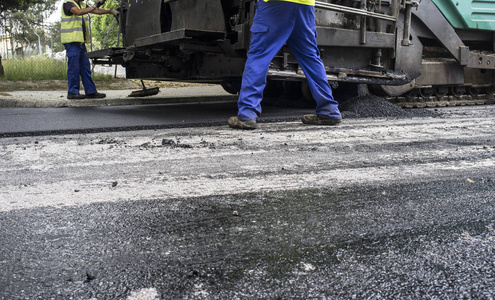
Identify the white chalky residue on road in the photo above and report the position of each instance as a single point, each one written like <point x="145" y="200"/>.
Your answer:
<point x="144" y="294"/>
<point x="75" y="170"/>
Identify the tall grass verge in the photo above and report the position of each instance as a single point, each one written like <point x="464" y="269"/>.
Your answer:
<point x="39" y="68"/>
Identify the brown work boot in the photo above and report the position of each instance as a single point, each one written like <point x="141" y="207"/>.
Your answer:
<point x="315" y="119"/>
<point x="234" y="122"/>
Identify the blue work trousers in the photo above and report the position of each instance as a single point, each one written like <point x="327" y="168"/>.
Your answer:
<point x="277" y="23"/>
<point x="78" y="66"/>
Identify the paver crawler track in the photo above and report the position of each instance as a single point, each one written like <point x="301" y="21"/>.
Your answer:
<point x="434" y="101"/>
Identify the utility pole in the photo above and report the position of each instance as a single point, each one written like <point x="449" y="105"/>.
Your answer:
<point x="40" y="51"/>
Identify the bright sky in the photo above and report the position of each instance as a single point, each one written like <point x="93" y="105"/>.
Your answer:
<point x="56" y="15"/>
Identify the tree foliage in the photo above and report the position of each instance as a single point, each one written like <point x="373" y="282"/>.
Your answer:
<point x="35" y="10"/>
<point x="17" y="5"/>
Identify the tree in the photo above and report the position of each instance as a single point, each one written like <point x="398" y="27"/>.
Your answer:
<point x="23" y="20"/>
<point x="2" y="73"/>
<point x="8" y="7"/>
<point x="101" y="25"/>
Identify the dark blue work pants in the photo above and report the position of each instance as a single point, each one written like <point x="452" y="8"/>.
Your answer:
<point x="78" y="66"/>
<point x="276" y="23"/>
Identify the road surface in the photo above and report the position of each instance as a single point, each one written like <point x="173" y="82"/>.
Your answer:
<point x="373" y="208"/>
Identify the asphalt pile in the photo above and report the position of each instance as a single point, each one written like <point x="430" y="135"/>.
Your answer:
<point x="370" y="106"/>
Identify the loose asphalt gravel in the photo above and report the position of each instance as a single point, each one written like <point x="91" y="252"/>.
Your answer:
<point x="378" y="207"/>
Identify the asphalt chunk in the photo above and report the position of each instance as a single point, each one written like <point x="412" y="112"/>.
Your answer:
<point x="371" y="106"/>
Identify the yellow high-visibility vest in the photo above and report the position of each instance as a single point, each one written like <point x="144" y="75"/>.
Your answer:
<point x="72" y="26"/>
<point x="305" y="2"/>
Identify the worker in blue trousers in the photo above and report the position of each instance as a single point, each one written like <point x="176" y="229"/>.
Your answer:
<point x="279" y="22"/>
<point x="74" y="35"/>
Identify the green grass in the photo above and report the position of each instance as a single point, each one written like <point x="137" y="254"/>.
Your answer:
<point x="39" y="68"/>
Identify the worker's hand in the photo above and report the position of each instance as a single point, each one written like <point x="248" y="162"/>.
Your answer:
<point x="99" y="3"/>
<point x="115" y="13"/>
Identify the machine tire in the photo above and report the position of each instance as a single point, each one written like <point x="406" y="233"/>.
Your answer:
<point x="306" y="92"/>
<point x="273" y="89"/>
<point x="231" y="87"/>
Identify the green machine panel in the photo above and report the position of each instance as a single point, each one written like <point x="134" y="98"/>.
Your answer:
<point x="468" y="14"/>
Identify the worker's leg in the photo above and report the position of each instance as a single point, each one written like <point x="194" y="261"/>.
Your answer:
<point x="302" y="43"/>
<point x="85" y="72"/>
<point x="272" y="25"/>
<point x="73" y="52"/>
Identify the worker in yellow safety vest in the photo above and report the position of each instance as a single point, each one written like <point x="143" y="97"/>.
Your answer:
<point x="74" y="35"/>
<point x="279" y="22"/>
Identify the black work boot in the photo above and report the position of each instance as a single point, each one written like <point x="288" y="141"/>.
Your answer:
<point x="96" y="95"/>
<point x="75" y="96"/>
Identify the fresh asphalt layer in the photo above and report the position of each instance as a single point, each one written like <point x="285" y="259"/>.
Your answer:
<point x="49" y="112"/>
<point x="427" y="239"/>
<point x="44" y="121"/>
